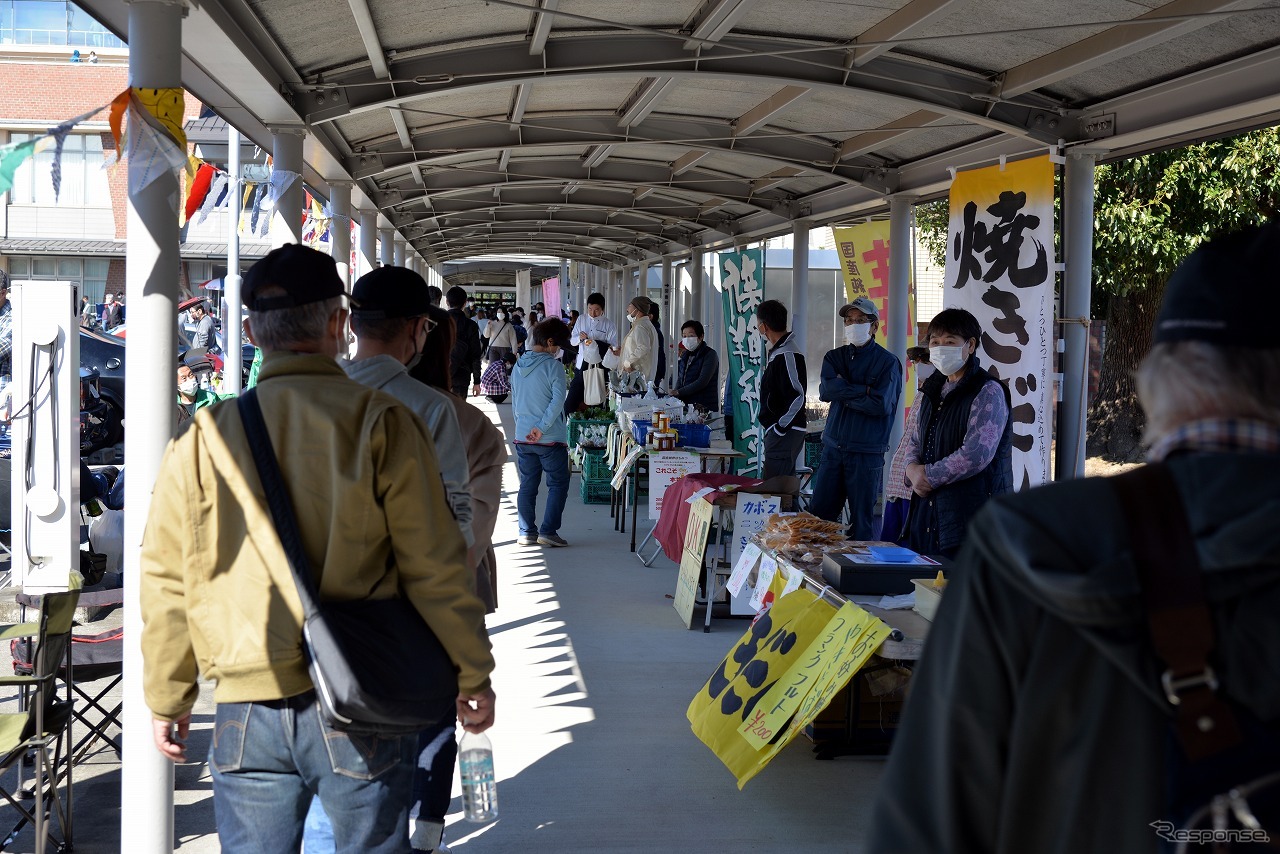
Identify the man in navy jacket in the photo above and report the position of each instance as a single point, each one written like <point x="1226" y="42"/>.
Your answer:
<point x="863" y="383"/>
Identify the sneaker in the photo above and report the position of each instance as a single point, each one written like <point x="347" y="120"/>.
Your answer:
<point x="552" y="540"/>
<point x="527" y="540"/>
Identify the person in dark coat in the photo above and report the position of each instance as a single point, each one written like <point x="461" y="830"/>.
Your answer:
<point x="660" y="381"/>
<point x="467" y="348"/>
<point x="698" y="373"/>
<point x="962" y="453"/>
<point x="1037" y="720"/>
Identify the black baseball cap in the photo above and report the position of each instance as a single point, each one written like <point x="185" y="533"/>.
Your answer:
<point x="391" y="292"/>
<point x="306" y="276"/>
<point x="1219" y="293"/>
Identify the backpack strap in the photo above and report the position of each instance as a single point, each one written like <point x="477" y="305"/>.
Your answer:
<point x="1178" y="617"/>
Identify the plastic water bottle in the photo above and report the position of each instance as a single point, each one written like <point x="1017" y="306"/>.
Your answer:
<point x="479" y="785"/>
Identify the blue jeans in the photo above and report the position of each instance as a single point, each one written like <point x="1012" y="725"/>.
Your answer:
<point x="853" y="477"/>
<point x="531" y="462"/>
<point x="269" y="758"/>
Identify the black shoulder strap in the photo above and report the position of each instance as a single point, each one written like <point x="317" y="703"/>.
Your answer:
<point x="282" y="513"/>
<point x="1178" y="617"/>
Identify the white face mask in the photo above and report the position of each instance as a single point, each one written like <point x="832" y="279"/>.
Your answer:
<point x="857" y="334"/>
<point x="632" y="318"/>
<point x="924" y="370"/>
<point x="502" y="315"/>
<point x="948" y="359"/>
<point x="690" y="343"/>
<point x="188" y="386"/>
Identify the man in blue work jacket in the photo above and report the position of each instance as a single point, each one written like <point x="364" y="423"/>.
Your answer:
<point x="863" y="383"/>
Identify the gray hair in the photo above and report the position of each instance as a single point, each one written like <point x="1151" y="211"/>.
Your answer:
<point x="283" y="328"/>
<point x="1187" y="381"/>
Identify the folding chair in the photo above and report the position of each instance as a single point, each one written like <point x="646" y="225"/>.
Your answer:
<point x="42" y="722"/>
<point x="93" y="658"/>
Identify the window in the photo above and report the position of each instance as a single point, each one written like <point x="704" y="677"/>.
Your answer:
<point x="84" y="180"/>
<point x="20" y="268"/>
<point x="94" y="284"/>
<point x="51" y="22"/>
<point x="43" y="268"/>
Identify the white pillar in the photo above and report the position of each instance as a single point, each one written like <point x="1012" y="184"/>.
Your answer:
<point x="895" y="320"/>
<point x="800" y="282"/>
<point x="697" y="297"/>
<point x="368" y="258"/>
<point x="398" y="253"/>
<point x="151" y="261"/>
<point x="286" y="214"/>
<point x="386" y="253"/>
<point x="1078" y="245"/>
<point x="232" y="312"/>
<point x="668" y="310"/>
<point x="340" y="227"/>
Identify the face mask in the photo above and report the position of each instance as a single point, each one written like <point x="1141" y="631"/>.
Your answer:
<point x="502" y="315"/>
<point x="857" y="334"/>
<point x="632" y="318"/>
<point x="924" y="370"/>
<point x="947" y="359"/>
<point x="188" y="387"/>
<point x="690" y="343"/>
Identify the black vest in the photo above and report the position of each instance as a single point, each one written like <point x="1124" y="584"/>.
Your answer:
<point x="940" y="521"/>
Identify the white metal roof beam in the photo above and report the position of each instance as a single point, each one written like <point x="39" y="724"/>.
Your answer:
<point x="685" y="162"/>
<point x="908" y="19"/>
<point x="519" y="101"/>
<point x="542" y="26"/>
<point x="873" y="139"/>
<point x="596" y="155"/>
<point x="504" y="160"/>
<point x="1109" y="46"/>
<point x="643" y="100"/>
<point x="761" y="114"/>
<point x="776" y="179"/>
<point x="369" y="35"/>
<point x="714" y="19"/>
<point x="402" y="129"/>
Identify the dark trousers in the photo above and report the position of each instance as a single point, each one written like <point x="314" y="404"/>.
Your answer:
<point x="577" y="391"/>
<point x="853" y="477"/>
<point x="780" y="452"/>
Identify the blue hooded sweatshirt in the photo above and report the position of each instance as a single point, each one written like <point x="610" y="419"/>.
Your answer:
<point x="538" y="390"/>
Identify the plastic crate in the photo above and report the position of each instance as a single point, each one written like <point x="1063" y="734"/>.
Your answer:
<point x="693" y="435"/>
<point x="595" y="491"/>
<point x="594" y="467"/>
<point x="640" y="430"/>
<point x="813" y="451"/>
<point x="576" y="427"/>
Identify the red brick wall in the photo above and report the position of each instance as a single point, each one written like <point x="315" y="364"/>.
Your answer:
<point x="115" y="276"/>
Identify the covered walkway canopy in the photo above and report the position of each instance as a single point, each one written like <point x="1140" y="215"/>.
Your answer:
<point x="620" y="134"/>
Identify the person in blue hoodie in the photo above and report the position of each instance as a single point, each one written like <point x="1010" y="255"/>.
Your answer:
<point x="538" y="390"/>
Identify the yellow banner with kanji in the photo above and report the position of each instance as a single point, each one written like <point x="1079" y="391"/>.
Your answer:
<point x="864" y="261"/>
<point x="799" y="652"/>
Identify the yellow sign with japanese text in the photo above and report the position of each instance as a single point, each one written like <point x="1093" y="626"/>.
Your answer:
<point x="800" y="647"/>
<point x="692" y="559"/>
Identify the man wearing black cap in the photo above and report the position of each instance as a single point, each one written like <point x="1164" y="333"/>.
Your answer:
<point x="1103" y="663"/>
<point x="219" y="600"/>
<point x="863" y="383"/>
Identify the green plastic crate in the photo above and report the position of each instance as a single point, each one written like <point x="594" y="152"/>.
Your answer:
<point x="595" y="491"/>
<point x="594" y="467"/>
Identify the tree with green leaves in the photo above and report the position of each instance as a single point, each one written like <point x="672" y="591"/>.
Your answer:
<point x="1150" y="212"/>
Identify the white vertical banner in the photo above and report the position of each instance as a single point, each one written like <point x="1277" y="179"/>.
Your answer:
<point x="1000" y="262"/>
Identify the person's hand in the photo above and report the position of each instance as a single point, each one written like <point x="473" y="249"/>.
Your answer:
<point x="173" y="745"/>
<point x="617" y="351"/>
<point x="475" y="390"/>
<point x="918" y="480"/>
<point x="535" y="435"/>
<point x="475" y="711"/>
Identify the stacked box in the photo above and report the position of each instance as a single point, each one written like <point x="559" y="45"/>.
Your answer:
<point x="576" y="426"/>
<point x="595" y="491"/>
<point x="595" y="488"/>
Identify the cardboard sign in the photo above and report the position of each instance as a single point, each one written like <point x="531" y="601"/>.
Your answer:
<point x="665" y="468"/>
<point x="749" y="519"/>
<point x="691" y="560"/>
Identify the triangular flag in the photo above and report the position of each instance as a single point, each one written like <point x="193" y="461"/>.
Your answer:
<point x="200" y="186"/>
<point x="214" y="197"/>
<point x="118" y="107"/>
<point x="13" y="156"/>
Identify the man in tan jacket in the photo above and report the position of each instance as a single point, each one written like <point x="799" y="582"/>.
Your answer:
<point x="218" y="599"/>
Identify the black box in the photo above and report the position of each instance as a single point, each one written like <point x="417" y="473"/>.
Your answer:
<point x="847" y="576"/>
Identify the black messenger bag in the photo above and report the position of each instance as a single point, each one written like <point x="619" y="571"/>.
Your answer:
<point x="376" y="664"/>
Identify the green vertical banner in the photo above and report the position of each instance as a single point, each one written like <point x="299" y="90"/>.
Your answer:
<point x="742" y="290"/>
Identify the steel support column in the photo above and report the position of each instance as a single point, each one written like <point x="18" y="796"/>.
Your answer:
<point x="232" y="312"/>
<point x="286" y="213"/>
<point x="895" y="321"/>
<point x="1077" y="242"/>
<point x="368" y="258"/>
<point x="800" y="281"/>
<point x="668" y="312"/>
<point x="386" y="239"/>
<point x="397" y="252"/>
<point x="340" y="227"/>
<point x="152" y="258"/>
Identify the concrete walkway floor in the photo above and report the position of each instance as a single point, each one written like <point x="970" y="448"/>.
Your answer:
<point x="592" y="747"/>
